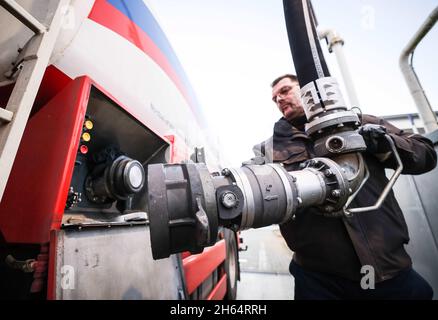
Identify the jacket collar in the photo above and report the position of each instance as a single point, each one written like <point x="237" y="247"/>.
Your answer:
<point x="283" y="129"/>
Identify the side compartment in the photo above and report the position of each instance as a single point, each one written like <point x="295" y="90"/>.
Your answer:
<point x="74" y="214"/>
<point x="113" y="263"/>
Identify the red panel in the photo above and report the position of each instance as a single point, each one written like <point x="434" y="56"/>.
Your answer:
<point x="53" y="82"/>
<point x="51" y="289"/>
<point x="199" y="266"/>
<point x="219" y="291"/>
<point x="36" y="193"/>
<point x="185" y="254"/>
<point x="171" y="140"/>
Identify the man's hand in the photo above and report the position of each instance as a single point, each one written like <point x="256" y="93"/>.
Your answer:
<point x="374" y="136"/>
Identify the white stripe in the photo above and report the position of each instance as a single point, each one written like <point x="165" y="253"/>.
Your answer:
<point x="312" y="43"/>
<point x="135" y="80"/>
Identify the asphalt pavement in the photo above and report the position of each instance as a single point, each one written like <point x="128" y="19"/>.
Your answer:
<point x="265" y="266"/>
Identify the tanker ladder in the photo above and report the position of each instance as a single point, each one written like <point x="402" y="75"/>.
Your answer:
<point x="27" y="73"/>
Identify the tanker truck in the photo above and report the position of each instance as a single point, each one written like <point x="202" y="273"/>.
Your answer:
<point x="112" y="187"/>
<point x="91" y="93"/>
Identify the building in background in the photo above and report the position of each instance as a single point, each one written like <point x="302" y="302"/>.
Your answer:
<point x="416" y="195"/>
<point x="409" y="122"/>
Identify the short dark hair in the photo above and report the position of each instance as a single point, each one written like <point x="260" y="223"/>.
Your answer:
<point x="290" y="76"/>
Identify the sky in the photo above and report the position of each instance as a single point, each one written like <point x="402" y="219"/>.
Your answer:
<point x="231" y="50"/>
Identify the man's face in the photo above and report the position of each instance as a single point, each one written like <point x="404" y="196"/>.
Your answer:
<point x="286" y="95"/>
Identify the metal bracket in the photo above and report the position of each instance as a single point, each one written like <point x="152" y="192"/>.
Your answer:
<point x="202" y="226"/>
<point x="27" y="53"/>
<point x="6" y="115"/>
<point x="27" y="266"/>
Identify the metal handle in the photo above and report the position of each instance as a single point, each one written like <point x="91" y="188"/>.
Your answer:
<point x="388" y="187"/>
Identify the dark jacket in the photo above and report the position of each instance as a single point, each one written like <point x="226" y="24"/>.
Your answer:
<point x="341" y="246"/>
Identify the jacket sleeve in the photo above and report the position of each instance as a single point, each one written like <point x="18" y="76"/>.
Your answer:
<point x="264" y="150"/>
<point x="416" y="152"/>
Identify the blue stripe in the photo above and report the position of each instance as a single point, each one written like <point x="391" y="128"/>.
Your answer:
<point x="138" y="12"/>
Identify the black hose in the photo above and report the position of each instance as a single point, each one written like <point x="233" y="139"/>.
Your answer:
<point x="306" y="51"/>
<point x="312" y="12"/>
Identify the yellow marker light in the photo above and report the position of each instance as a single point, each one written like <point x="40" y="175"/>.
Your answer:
<point x="88" y="124"/>
<point x="86" y="136"/>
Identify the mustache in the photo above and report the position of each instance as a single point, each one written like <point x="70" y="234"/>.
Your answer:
<point x="285" y="105"/>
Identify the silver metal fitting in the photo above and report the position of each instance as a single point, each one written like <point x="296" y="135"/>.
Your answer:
<point x="229" y="199"/>
<point x="321" y="96"/>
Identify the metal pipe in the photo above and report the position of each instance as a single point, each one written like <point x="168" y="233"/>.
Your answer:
<point x="310" y="187"/>
<point x="335" y="44"/>
<point x="417" y="92"/>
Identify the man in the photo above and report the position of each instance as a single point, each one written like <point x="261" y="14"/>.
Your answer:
<point x="329" y="253"/>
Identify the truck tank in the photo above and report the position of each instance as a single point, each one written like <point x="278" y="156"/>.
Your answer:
<point x="120" y="45"/>
<point x="113" y="88"/>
